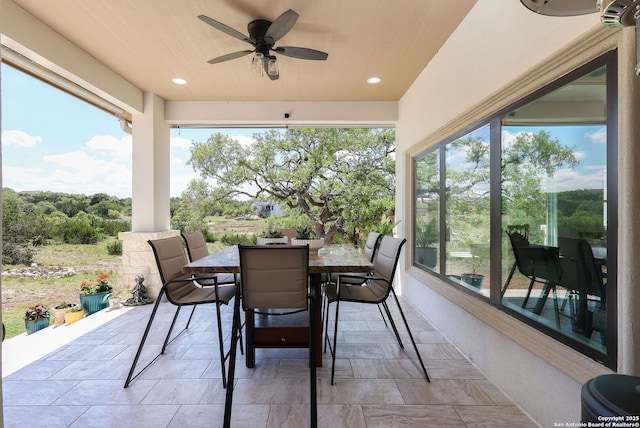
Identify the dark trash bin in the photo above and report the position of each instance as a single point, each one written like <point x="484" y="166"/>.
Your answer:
<point x="611" y="395"/>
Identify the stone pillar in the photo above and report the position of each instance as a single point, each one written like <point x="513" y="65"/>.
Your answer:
<point x="138" y="259"/>
<point x="150" y="195"/>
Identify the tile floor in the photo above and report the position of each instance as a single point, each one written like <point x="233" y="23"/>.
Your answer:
<point x="377" y="385"/>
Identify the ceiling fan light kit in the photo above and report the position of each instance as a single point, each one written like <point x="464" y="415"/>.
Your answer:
<point x="263" y="35"/>
<point x="613" y="13"/>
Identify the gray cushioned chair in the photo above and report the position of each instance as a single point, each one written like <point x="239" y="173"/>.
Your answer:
<point x="375" y="290"/>
<point x="274" y="281"/>
<point x="182" y="290"/>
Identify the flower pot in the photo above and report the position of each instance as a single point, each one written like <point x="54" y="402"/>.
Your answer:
<point x="314" y="244"/>
<point x="427" y="256"/>
<point x="472" y="279"/>
<point x="115" y="302"/>
<point x="33" y="326"/>
<point x="93" y="303"/>
<point x="58" y="316"/>
<point x="273" y="241"/>
<point x="71" y="317"/>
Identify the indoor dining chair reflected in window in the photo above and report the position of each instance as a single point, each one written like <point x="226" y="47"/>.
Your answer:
<point x="375" y="290"/>
<point x="182" y="290"/>
<point x="538" y="263"/>
<point x="274" y="281"/>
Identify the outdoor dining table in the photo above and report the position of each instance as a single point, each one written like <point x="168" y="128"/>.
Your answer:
<point x="329" y="259"/>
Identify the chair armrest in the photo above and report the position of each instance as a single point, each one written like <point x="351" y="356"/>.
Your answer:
<point x="194" y="279"/>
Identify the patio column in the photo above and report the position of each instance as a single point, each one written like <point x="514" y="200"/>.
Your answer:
<point x="150" y="195"/>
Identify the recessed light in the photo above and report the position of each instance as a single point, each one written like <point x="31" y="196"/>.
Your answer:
<point x="373" y="80"/>
<point x="179" y="81"/>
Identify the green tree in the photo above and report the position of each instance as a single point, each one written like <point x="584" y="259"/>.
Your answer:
<point x="336" y="178"/>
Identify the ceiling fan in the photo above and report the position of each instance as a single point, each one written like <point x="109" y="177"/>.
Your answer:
<point x="263" y="34"/>
<point x="613" y="13"/>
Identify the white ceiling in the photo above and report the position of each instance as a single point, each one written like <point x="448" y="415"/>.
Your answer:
<point x="148" y="42"/>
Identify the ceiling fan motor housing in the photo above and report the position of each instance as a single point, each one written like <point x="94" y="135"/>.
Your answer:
<point x="257" y="30"/>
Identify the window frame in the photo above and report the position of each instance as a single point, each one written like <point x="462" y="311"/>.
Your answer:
<point x="608" y="59"/>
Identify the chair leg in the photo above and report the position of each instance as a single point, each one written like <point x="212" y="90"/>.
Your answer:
<point x="555" y="306"/>
<point x="235" y="330"/>
<point x="335" y="344"/>
<point x="326" y="326"/>
<point x="506" y="284"/>
<point x="313" y="393"/>
<point x="413" y="342"/>
<point x="526" y="299"/>
<point x="221" y="346"/>
<point x="383" y="319"/>
<point x="130" y="377"/>
<point x="173" y="323"/>
<point x="393" y="324"/>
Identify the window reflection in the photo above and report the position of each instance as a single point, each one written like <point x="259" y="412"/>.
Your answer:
<point x="554" y="158"/>
<point x="550" y="223"/>
<point x="467" y="209"/>
<point x="427" y="226"/>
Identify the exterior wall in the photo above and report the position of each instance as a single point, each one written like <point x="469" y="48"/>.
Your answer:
<point x="470" y="78"/>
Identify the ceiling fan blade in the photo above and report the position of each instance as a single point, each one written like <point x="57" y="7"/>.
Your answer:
<point x="561" y="7"/>
<point x="226" y="29"/>
<point x="301" y="53"/>
<point x="281" y="26"/>
<point x="230" y="56"/>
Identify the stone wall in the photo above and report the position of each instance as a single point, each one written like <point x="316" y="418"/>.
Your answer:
<point x="138" y="259"/>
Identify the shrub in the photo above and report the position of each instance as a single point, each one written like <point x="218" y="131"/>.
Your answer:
<point x="208" y="235"/>
<point x="114" y="248"/>
<point x="78" y="232"/>
<point x="237" y="239"/>
<point x="16" y="254"/>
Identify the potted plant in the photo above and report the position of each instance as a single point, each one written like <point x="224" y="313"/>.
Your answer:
<point x="478" y="257"/>
<point x="73" y="314"/>
<point x="115" y="300"/>
<point x="426" y="235"/>
<point x="92" y="296"/>
<point x="36" y="318"/>
<point x="58" y="312"/>
<point x="305" y="236"/>
<point x="272" y="237"/>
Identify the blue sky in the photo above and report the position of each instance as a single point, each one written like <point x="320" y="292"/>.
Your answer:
<point x="54" y="141"/>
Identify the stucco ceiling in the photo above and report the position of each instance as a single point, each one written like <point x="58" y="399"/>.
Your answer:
<point x="148" y="42"/>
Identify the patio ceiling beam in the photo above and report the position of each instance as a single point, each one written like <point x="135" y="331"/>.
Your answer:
<point x="281" y="114"/>
<point x="31" y="38"/>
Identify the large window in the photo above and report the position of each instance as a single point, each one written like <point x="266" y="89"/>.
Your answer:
<point x="550" y="170"/>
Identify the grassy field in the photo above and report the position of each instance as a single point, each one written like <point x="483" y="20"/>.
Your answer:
<point x="87" y="261"/>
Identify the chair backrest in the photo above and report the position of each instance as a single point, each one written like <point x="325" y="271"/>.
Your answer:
<point x="384" y="265"/>
<point x="274" y="277"/>
<point x="572" y="267"/>
<point x="371" y="245"/>
<point x="170" y="257"/>
<point x="196" y="245"/>
<point x="593" y="272"/>
<point x="535" y="261"/>
<point x="289" y="233"/>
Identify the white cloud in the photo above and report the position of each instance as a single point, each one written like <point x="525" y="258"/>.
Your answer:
<point x="108" y="145"/>
<point x="20" y="139"/>
<point x="569" y="179"/>
<point x="597" y="137"/>
<point x="180" y="143"/>
<point x="243" y="140"/>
